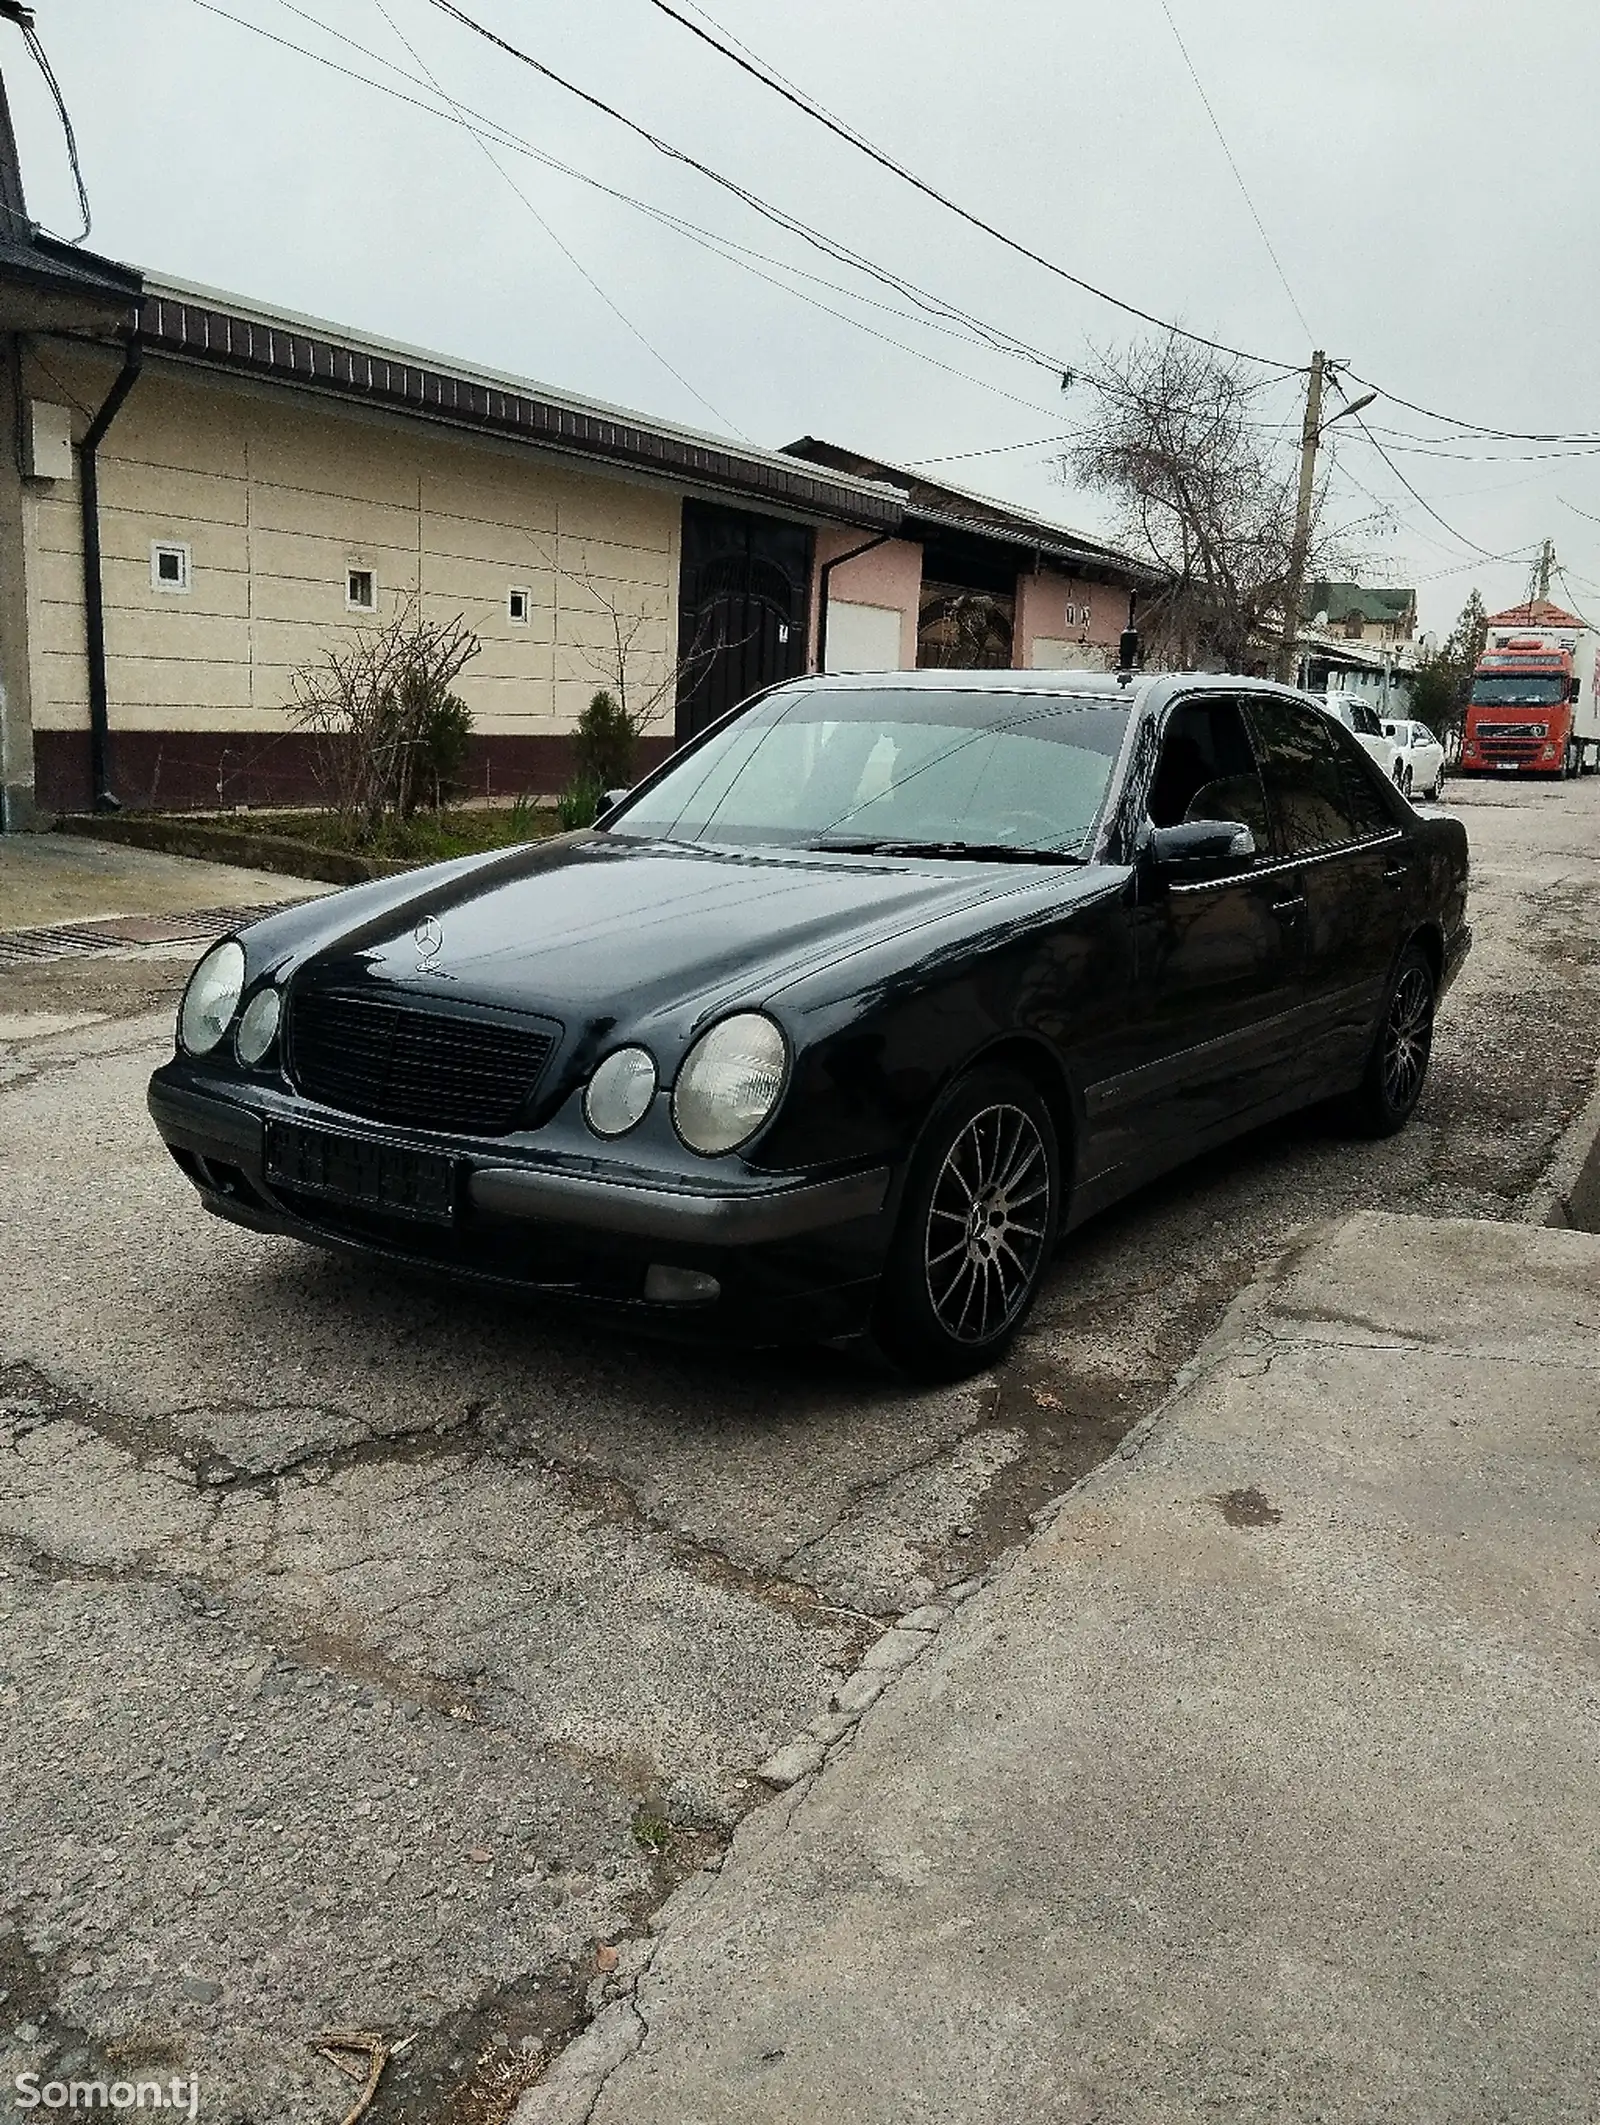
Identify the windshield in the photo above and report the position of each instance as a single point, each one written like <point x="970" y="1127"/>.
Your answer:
<point x="1519" y="689"/>
<point x="983" y="770"/>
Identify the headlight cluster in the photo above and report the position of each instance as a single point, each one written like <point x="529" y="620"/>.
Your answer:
<point x="729" y="1083"/>
<point x="211" y="1000"/>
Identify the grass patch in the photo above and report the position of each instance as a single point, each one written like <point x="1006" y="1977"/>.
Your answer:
<point x="651" y="1831"/>
<point x="426" y="837"/>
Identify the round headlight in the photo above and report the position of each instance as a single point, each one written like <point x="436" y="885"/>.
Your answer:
<point x="730" y="1082"/>
<point x="258" y="1028"/>
<point x="211" y="998"/>
<point x="620" y="1091"/>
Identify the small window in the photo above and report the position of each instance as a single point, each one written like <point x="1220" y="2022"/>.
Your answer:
<point x="360" y="590"/>
<point x="169" y="565"/>
<point x="519" y="603"/>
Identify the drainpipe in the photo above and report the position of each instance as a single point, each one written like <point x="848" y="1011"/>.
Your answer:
<point x="825" y="578"/>
<point x="93" y="601"/>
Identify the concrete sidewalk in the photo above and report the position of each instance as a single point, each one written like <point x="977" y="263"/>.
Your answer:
<point x="1265" y="1786"/>
<point x="71" y="878"/>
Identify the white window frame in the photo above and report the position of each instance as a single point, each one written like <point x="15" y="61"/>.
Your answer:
<point x="519" y="590"/>
<point x="168" y="588"/>
<point x="352" y="570"/>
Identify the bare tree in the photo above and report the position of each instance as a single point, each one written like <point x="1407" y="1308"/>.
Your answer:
<point x="1202" y="491"/>
<point x="381" y="709"/>
<point x="643" y="681"/>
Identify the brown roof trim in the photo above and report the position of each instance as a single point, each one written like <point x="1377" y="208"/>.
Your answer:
<point x="931" y="503"/>
<point x="216" y="338"/>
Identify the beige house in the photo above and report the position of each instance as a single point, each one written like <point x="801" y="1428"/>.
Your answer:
<point x="206" y="494"/>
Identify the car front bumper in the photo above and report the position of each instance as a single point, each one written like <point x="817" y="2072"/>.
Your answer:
<point x="790" y="1259"/>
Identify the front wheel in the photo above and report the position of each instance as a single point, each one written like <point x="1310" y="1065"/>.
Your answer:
<point x="1398" y="1065"/>
<point x="1405" y="783"/>
<point x="979" y="1215"/>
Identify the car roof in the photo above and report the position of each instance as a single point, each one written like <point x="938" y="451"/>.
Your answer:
<point x="1000" y="680"/>
<point x="1106" y="686"/>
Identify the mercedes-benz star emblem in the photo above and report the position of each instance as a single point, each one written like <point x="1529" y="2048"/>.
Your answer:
<point x="428" y="938"/>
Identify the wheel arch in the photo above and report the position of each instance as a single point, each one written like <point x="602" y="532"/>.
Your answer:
<point x="1036" y="1060"/>
<point x="1429" y="940"/>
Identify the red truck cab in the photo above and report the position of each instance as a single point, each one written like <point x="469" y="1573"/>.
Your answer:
<point x="1532" y="710"/>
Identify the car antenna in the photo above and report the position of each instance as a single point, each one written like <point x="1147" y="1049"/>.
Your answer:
<point x="1128" y="649"/>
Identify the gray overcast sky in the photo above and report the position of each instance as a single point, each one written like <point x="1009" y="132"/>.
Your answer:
<point x="1426" y="170"/>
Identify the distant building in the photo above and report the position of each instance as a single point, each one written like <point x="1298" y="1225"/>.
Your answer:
<point x="966" y="582"/>
<point x="1359" y="614"/>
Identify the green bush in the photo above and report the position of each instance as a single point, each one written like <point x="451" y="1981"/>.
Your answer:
<point x="439" y="751"/>
<point x="604" y="744"/>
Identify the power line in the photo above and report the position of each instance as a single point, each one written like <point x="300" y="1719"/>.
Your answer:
<point x="724" y="247"/>
<point x="30" y="37"/>
<point x="1238" y="174"/>
<point x="745" y="59"/>
<point x="856" y="140"/>
<point x="994" y="336"/>
<point x="1502" y="435"/>
<point x="952" y="457"/>
<point x="1460" y="537"/>
<point x="567" y="253"/>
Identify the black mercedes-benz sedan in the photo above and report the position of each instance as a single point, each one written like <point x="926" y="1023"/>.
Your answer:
<point x="842" y="1017"/>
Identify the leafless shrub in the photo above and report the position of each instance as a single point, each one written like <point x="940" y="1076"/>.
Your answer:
<point x="381" y="708"/>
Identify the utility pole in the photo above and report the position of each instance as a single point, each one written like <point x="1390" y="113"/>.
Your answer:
<point x="1312" y="430"/>
<point x="1295" y="579"/>
<point x="1547" y="562"/>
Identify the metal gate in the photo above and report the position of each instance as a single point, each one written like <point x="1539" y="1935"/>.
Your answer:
<point x="743" y="587"/>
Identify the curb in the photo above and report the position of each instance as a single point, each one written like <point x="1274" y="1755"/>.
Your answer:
<point x="239" y="846"/>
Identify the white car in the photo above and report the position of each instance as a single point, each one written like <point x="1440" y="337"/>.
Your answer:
<point x="1357" y="716"/>
<point x="1421" y="758"/>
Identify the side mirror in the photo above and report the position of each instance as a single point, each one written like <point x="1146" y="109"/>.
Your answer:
<point x="1574" y="689"/>
<point x="1202" y="848"/>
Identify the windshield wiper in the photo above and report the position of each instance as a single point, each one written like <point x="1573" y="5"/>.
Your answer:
<point x="973" y="851"/>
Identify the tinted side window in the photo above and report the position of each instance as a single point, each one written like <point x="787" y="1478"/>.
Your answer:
<point x="1207" y="770"/>
<point x="1366" y="792"/>
<point x="1301" y="760"/>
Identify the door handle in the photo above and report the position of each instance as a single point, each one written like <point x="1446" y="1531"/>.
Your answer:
<point x="1294" y="905"/>
<point x="1396" y="873"/>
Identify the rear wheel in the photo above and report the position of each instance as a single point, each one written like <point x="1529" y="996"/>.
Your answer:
<point x="1398" y="1066"/>
<point x="1573" y="763"/>
<point x="981" y="1207"/>
<point x="1405" y="782"/>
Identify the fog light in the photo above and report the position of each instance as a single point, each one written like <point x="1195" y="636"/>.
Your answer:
<point x="665" y="1286"/>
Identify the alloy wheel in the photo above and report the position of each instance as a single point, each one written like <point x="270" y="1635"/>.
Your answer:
<point x="1407" y="1039"/>
<point x="987" y="1221"/>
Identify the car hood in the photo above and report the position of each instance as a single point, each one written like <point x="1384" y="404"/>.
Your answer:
<point x="573" y="927"/>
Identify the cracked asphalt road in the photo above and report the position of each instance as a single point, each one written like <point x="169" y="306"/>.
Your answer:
<point x="373" y="1651"/>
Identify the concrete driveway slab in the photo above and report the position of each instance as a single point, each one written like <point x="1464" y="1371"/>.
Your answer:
<point x="1265" y="1786"/>
<point x="70" y="878"/>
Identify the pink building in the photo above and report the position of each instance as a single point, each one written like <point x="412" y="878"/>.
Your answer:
<point x="962" y="582"/>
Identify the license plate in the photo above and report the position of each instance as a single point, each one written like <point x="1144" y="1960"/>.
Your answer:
<point x="1507" y="767"/>
<point x="364" y="1171"/>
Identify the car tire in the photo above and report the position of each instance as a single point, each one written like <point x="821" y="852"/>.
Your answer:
<point x="1572" y="765"/>
<point x="1405" y="783"/>
<point x="1397" y="1068"/>
<point x="978" y="1219"/>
